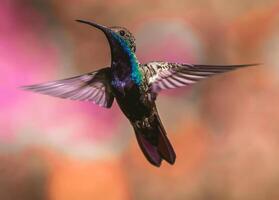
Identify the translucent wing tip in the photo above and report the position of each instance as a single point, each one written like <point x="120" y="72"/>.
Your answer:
<point x="224" y="66"/>
<point x="27" y="87"/>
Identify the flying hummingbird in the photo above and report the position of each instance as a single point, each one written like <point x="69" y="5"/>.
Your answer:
<point x="135" y="87"/>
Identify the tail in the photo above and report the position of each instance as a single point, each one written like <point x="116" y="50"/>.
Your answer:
<point x="153" y="141"/>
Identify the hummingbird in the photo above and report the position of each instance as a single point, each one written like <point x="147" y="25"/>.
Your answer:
<point x="135" y="87"/>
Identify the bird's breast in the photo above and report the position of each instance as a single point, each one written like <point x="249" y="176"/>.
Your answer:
<point x="121" y="84"/>
<point x="132" y="100"/>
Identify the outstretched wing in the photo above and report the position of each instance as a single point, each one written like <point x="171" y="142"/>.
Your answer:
<point x="164" y="75"/>
<point x="93" y="87"/>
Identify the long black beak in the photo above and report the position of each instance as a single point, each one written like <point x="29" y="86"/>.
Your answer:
<point x="116" y="50"/>
<point x="106" y="30"/>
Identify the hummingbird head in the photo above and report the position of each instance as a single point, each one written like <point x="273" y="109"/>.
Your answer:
<point x="115" y="35"/>
<point x="126" y="35"/>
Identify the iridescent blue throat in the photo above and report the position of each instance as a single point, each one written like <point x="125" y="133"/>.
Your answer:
<point x="136" y="75"/>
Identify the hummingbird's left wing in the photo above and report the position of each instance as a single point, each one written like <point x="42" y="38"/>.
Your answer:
<point x="93" y="87"/>
<point x="164" y="75"/>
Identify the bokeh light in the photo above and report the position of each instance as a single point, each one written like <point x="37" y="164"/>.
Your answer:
<point x="225" y="129"/>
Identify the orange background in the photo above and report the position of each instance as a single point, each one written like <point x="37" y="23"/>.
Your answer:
<point x="225" y="129"/>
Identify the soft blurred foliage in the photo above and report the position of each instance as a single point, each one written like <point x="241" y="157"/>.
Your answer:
<point x="225" y="129"/>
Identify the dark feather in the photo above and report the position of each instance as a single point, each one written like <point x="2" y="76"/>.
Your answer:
<point x="153" y="141"/>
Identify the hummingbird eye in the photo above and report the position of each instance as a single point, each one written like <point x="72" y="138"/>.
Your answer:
<point x="122" y="33"/>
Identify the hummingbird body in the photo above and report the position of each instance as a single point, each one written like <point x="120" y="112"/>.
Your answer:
<point x="131" y="93"/>
<point x="127" y="80"/>
<point x="135" y="87"/>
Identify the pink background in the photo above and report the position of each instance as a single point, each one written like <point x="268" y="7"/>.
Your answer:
<point x="225" y="129"/>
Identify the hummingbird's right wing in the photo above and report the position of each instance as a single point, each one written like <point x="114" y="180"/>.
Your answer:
<point x="93" y="87"/>
<point x="164" y="75"/>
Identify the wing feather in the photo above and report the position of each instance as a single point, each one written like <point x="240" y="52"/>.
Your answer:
<point x="164" y="75"/>
<point x="93" y="87"/>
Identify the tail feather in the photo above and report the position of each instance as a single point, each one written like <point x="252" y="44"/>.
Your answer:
<point x="149" y="151"/>
<point x="166" y="150"/>
<point x="154" y="142"/>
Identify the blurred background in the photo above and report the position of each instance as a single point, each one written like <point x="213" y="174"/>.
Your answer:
<point x="225" y="129"/>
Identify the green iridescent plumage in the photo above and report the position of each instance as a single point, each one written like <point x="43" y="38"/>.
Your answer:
<point x="136" y="74"/>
